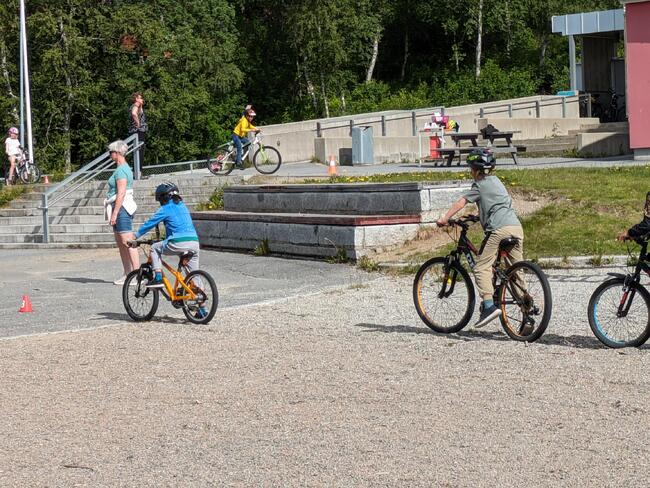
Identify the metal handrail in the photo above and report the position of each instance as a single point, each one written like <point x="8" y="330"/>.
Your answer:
<point x="412" y="114"/>
<point x="536" y="104"/>
<point x="88" y="172"/>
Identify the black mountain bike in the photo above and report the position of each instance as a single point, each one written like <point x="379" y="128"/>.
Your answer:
<point x="619" y="309"/>
<point x="444" y="294"/>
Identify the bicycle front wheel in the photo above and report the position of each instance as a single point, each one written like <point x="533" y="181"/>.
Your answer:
<point x="619" y="316"/>
<point x="139" y="301"/>
<point x="201" y="309"/>
<point x="220" y="162"/>
<point x="526" y="302"/>
<point x="30" y="174"/>
<point x="443" y="295"/>
<point x="267" y="160"/>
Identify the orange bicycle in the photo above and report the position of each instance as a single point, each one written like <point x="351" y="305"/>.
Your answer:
<point x="194" y="292"/>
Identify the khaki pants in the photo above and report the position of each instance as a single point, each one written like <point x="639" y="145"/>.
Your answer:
<point x="485" y="260"/>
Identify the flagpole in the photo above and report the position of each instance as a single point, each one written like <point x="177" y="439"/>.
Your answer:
<point x="22" y="92"/>
<point x="28" y="101"/>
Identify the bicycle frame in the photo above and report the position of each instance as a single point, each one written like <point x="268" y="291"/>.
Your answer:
<point x="246" y="148"/>
<point x="632" y="278"/>
<point x="169" y="292"/>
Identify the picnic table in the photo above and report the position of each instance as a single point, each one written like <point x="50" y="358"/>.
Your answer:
<point x="458" y="149"/>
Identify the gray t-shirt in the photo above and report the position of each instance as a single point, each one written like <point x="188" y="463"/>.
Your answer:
<point x="494" y="203"/>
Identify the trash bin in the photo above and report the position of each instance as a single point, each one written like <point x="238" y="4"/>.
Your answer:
<point x="434" y="144"/>
<point x="362" y="145"/>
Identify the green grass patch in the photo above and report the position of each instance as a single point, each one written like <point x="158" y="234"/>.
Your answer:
<point x="589" y="207"/>
<point x="215" y="202"/>
<point x="9" y="193"/>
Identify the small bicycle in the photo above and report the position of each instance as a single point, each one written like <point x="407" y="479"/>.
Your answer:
<point x="266" y="159"/>
<point x="619" y="309"/>
<point x="195" y="292"/>
<point x="444" y="294"/>
<point x="25" y="170"/>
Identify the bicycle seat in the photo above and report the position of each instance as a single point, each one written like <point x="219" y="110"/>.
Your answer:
<point x="507" y="244"/>
<point x="186" y="257"/>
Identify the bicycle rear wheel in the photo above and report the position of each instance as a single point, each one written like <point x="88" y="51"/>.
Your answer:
<point x="30" y="174"/>
<point x="620" y="316"/>
<point x="443" y="295"/>
<point x="526" y="302"/>
<point x="202" y="309"/>
<point x="267" y="160"/>
<point x="220" y="162"/>
<point x="139" y="301"/>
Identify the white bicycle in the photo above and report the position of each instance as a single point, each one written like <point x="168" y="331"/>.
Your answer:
<point x="266" y="159"/>
<point x="25" y="170"/>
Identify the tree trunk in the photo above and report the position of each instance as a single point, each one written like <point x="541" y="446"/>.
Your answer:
<point x="542" y="51"/>
<point x="7" y="79"/>
<point x="373" y="59"/>
<point x="406" y="55"/>
<point x="509" y="28"/>
<point x="310" y="89"/>
<point x="479" y="35"/>
<point x="324" y="94"/>
<point x="67" y="111"/>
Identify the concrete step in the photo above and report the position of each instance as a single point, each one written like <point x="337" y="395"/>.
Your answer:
<point x="66" y="211"/>
<point x="603" y="127"/>
<point x="58" y="238"/>
<point x="364" y="198"/>
<point x="58" y="245"/>
<point x="96" y="202"/>
<point x="314" y="235"/>
<point x="140" y="194"/>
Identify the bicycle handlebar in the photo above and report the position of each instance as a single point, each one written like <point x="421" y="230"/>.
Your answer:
<point x="462" y="221"/>
<point x="138" y="243"/>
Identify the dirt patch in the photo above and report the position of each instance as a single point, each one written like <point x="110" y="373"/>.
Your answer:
<point x="430" y="238"/>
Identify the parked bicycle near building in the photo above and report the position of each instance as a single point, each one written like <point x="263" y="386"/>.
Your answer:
<point x="444" y="294"/>
<point x="266" y="159"/>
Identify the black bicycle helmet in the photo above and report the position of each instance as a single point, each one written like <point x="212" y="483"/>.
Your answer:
<point x="165" y="191"/>
<point x="482" y="160"/>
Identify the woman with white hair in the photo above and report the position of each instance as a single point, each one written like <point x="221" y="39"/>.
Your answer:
<point x="120" y="207"/>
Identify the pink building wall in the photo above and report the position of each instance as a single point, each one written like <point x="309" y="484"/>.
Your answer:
<point x="637" y="59"/>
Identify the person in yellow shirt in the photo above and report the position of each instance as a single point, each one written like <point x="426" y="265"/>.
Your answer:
<point x="240" y="134"/>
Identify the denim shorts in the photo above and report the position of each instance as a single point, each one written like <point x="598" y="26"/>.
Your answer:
<point x="124" y="222"/>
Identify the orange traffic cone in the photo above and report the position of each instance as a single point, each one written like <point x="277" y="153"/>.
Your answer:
<point x="331" y="166"/>
<point x="27" y="305"/>
<point x="46" y="179"/>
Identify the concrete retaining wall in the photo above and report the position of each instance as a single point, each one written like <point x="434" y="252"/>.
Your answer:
<point x="295" y="140"/>
<point x="536" y="128"/>
<point x="299" y="239"/>
<point x="322" y="220"/>
<point x="603" y="143"/>
<point x="428" y="200"/>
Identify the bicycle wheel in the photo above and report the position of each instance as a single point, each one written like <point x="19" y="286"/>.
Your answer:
<point x="443" y="295"/>
<point x="526" y="302"/>
<point x="220" y="163"/>
<point x="140" y="302"/>
<point x="619" y="317"/>
<point x="202" y="309"/>
<point x="30" y="174"/>
<point x="267" y="160"/>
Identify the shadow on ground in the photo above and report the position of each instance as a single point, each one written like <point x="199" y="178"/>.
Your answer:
<point x="575" y="341"/>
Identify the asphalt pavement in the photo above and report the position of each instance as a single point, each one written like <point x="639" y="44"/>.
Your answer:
<point x="73" y="289"/>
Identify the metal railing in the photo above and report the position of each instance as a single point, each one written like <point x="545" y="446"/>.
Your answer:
<point x="90" y="171"/>
<point x="383" y="120"/>
<point x="509" y="108"/>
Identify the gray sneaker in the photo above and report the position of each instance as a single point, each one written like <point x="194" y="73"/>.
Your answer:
<point x="487" y="316"/>
<point x="120" y="281"/>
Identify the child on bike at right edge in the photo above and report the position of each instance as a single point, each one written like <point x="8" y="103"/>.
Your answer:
<point x="642" y="228"/>
<point x="12" y="148"/>
<point x="498" y="220"/>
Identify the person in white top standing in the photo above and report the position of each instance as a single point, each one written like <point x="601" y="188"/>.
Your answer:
<point x="12" y="148"/>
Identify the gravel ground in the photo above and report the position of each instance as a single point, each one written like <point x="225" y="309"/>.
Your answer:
<point x="341" y="388"/>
